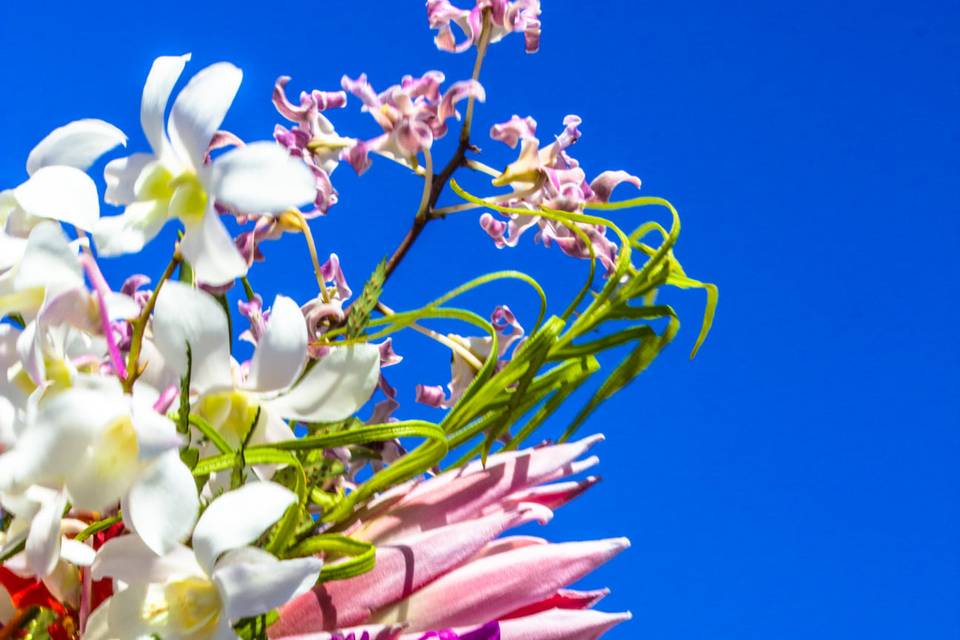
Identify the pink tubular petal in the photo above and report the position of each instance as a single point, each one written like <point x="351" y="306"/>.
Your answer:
<point x="495" y="585"/>
<point x="400" y="569"/>
<point x="562" y="599"/>
<point x="460" y="495"/>
<point x="513" y="130"/>
<point x="604" y="184"/>
<point x="561" y="624"/>
<point x="552" y="496"/>
<point x="459" y="91"/>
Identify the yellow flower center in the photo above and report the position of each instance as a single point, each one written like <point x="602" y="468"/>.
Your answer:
<point x="231" y="413"/>
<point x="193" y="607"/>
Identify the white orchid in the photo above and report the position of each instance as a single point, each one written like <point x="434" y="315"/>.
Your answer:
<point x="58" y="188"/>
<point x="199" y="593"/>
<point x="333" y="389"/>
<point x="38" y="521"/>
<point x="97" y="446"/>
<point x="176" y="181"/>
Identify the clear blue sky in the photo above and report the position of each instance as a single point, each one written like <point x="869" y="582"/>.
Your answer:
<point x="799" y="479"/>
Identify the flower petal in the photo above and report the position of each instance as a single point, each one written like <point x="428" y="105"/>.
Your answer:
<point x="48" y="261"/>
<point x="210" y="250"/>
<point x="60" y="193"/>
<point x="400" y="570"/>
<point x="281" y="353"/>
<point x="128" y="559"/>
<point x="128" y="232"/>
<point x="76" y="553"/>
<point x="121" y="177"/>
<point x="261" y="177"/>
<point x="162" y="504"/>
<point x="252" y="582"/>
<point x="337" y="385"/>
<point x="186" y="316"/>
<point x="76" y="144"/>
<point x="163" y="75"/>
<point x="43" y="541"/>
<point x="199" y="110"/>
<point x="496" y="585"/>
<point x="561" y="624"/>
<point x="237" y="518"/>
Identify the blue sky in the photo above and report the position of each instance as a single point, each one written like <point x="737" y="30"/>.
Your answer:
<point x="799" y="479"/>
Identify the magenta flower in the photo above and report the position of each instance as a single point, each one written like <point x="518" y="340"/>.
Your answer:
<point x="440" y="563"/>
<point x="551" y="178"/>
<point x="521" y="16"/>
<point x="412" y="115"/>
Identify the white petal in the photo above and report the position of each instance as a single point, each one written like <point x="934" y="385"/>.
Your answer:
<point x="120" y="306"/>
<point x="281" y="353"/>
<point x="11" y="250"/>
<point x="261" y="178"/>
<point x="162" y="504"/>
<point x="183" y="316"/>
<point x="337" y="385"/>
<point x="252" y="582"/>
<point x="156" y="433"/>
<point x="60" y="193"/>
<point x="76" y="144"/>
<point x="128" y="559"/>
<point x="210" y="250"/>
<point x="43" y="541"/>
<point x="237" y="518"/>
<point x="76" y="553"/>
<point x="121" y="177"/>
<point x="163" y="76"/>
<point x="127" y="233"/>
<point x="97" y="627"/>
<point x="64" y="428"/>
<point x="200" y="109"/>
<point x="48" y="261"/>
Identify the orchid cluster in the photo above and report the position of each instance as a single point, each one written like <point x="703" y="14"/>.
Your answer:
<point x="153" y="486"/>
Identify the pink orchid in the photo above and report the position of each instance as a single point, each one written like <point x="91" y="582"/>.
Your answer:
<point x="441" y="565"/>
<point x="462" y="372"/>
<point x="551" y="178"/>
<point x="521" y="16"/>
<point x="412" y="115"/>
<point x="313" y="138"/>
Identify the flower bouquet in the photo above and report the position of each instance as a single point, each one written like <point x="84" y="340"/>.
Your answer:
<point x="153" y="486"/>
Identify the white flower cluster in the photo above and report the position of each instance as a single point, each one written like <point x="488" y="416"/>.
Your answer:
<point x="86" y="434"/>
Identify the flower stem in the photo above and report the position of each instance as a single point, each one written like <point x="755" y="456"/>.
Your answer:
<point x="140" y="326"/>
<point x="434" y="184"/>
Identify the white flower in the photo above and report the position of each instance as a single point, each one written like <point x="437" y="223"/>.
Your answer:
<point x="58" y="188"/>
<point x="98" y="446"/>
<point x="175" y="182"/>
<point x="333" y="389"/>
<point x="199" y="593"/>
<point x="37" y="520"/>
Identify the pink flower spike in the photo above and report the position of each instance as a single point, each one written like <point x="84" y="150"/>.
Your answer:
<point x="461" y="495"/>
<point x="400" y="569"/>
<point x="494" y="586"/>
<point x="561" y="624"/>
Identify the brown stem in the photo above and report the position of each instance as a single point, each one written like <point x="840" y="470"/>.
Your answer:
<point x="436" y="183"/>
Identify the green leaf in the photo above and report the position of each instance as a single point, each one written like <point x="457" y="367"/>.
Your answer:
<point x="362" y="555"/>
<point x="360" y="310"/>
